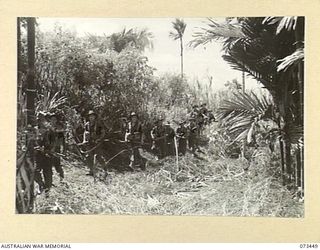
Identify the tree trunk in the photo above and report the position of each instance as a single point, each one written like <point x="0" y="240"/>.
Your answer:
<point x="281" y="151"/>
<point x="181" y="54"/>
<point x="288" y="160"/>
<point x="19" y="49"/>
<point x="298" y="158"/>
<point x="19" y="85"/>
<point x="302" y="174"/>
<point x="299" y="36"/>
<point x="282" y="161"/>
<point x="30" y="93"/>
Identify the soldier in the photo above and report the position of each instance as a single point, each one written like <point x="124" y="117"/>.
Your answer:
<point x="170" y="147"/>
<point x="135" y="137"/>
<point x="46" y="144"/>
<point x="195" y="111"/>
<point x="40" y="159"/>
<point x="203" y="113"/>
<point x="158" y="136"/>
<point x="203" y="110"/>
<point x="181" y="134"/>
<point x="123" y="126"/>
<point x="120" y="128"/>
<point x="93" y="136"/>
<point x="59" y="144"/>
<point x="211" y="117"/>
<point x="193" y="134"/>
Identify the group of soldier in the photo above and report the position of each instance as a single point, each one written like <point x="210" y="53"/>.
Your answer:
<point x="165" y="141"/>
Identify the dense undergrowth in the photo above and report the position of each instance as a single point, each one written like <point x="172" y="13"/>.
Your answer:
<point x="210" y="184"/>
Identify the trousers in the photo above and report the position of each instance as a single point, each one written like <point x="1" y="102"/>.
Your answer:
<point x="44" y="164"/>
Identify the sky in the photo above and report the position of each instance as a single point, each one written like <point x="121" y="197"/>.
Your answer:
<point x="199" y="63"/>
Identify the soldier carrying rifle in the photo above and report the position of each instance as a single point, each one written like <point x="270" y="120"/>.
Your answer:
<point x="59" y="145"/>
<point x="158" y="136"/>
<point x="93" y="138"/>
<point x="193" y="134"/>
<point x="182" y="135"/>
<point x="135" y="137"/>
<point x="46" y="152"/>
<point x="170" y="147"/>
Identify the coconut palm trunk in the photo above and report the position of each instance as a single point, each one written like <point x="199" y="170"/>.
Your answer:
<point x="30" y="90"/>
<point x="179" y="27"/>
<point x="181" y="54"/>
<point x="19" y="48"/>
<point x="281" y="144"/>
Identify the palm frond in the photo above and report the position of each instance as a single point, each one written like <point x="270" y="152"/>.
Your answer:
<point x="241" y="113"/>
<point x="295" y="133"/>
<point x="217" y="32"/>
<point x="179" y="27"/>
<point x="283" y="23"/>
<point x="291" y="60"/>
<point x="240" y="66"/>
<point x="173" y="35"/>
<point x="46" y="103"/>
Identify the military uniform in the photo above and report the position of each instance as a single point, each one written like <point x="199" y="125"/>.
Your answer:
<point x="93" y="136"/>
<point x="40" y="157"/>
<point x="158" y="135"/>
<point x="211" y="117"/>
<point x="44" y="159"/>
<point x="204" y="110"/>
<point x="193" y="135"/>
<point x="169" y="132"/>
<point x="48" y="145"/>
<point x="203" y="116"/>
<point x="135" y="137"/>
<point x="194" y="112"/>
<point x="58" y="144"/>
<point x="182" y="134"/>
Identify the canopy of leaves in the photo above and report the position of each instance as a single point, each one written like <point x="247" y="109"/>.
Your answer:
<point x="179" y="27"/>
<point x="139" y="39"/>
<point x="85" y="76"/>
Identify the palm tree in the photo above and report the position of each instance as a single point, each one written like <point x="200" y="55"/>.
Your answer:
<point x="179" y="27"/>
<point x="265" y="48"/>
<point x="139" y="39"/>
<point x="242" y="112"/>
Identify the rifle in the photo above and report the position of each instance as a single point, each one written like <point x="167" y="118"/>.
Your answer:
<point x="159" y="138"/>
<point x="48" y="153"/>
<point x="181" y="137"/>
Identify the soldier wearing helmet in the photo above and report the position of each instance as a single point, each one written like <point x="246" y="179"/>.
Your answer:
<point x="193" y="130"/>
<point x="158" y="136"/>
<point x="170" y="134"/>
<point x="135" y="137"/>
<point x="93" y="136"/>
<point x="182" y="136"/>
